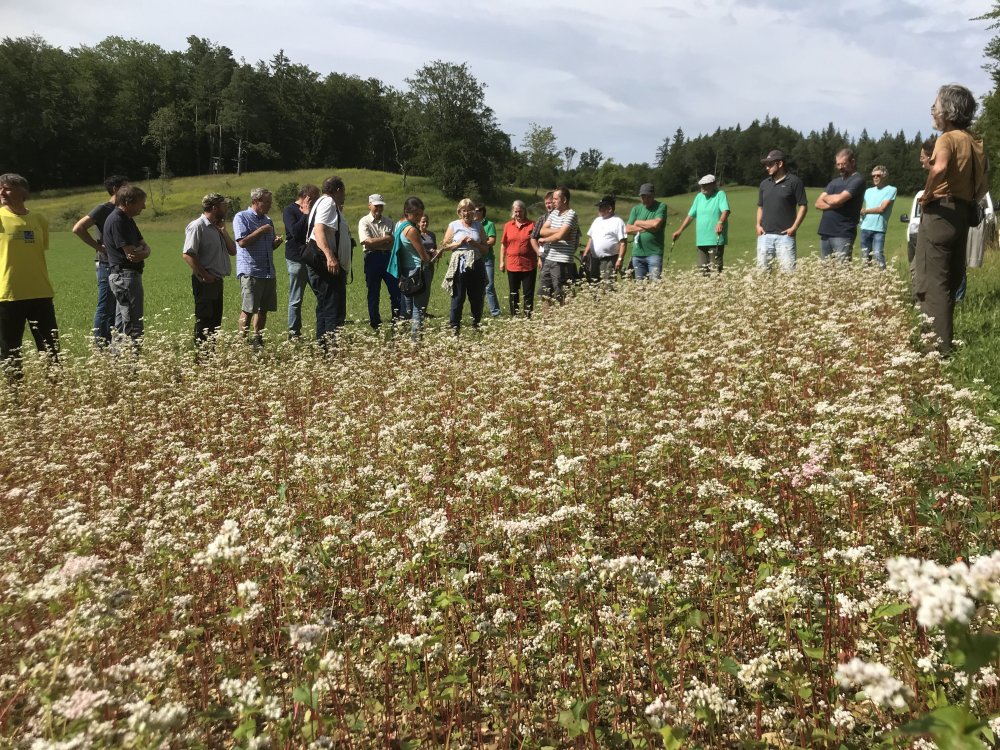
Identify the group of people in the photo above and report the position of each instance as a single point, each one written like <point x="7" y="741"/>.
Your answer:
<point x="949" y="203"/>
<point x="402" y="256"/>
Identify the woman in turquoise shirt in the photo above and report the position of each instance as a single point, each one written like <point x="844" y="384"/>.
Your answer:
<point x="409" y="257"/>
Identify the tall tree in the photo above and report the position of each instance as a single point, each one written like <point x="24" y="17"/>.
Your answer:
<point x="164" y="131"/>
<point x="457" y="140"/>
<point x="541" y="159"/>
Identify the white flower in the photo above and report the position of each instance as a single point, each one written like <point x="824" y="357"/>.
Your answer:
<point x="877" y="682"/>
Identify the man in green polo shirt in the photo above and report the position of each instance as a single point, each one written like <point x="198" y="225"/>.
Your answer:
<point x="648" y="222"/>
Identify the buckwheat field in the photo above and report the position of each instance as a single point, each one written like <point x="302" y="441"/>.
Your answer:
<point x="745" y="511"/>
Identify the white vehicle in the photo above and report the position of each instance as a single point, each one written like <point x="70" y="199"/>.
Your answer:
<point x="979" y="237"/>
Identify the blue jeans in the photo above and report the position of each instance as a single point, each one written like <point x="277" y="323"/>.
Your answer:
<point x="104" y="315"/>
<point x="126" y="286"/>
<point x="776" y="246"/>
<point x="377" y="272"/>
<point x="415" y="307"/>
<point x="873" y="243"/>
<point x="491" y="292"/>
<point x="649" y="266"/>
<point x="298" y="280"/>
<point x="839" y="247"/>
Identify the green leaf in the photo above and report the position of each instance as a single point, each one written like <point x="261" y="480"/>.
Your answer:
<point x="304" y="695"/>
<point x="246" y="730"/>
<point x="814" y="652"/>
<point x="890" y="610"/>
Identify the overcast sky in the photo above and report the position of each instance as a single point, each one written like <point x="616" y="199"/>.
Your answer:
<point x="617" y="76"/>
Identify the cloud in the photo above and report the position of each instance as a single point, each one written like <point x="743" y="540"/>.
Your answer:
<point x="618" y="77"/>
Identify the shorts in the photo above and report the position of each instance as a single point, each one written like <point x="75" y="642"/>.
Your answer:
<point x="258" y="295"/>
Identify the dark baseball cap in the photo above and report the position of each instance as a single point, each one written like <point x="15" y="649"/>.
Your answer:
<point x="607" y="200"/>
<point x="773" y="155"/>
<point x="647" y="189"/>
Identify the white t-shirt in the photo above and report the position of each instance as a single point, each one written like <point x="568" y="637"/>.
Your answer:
<point x="326" y="213"/>
<point x="606" y="235"/>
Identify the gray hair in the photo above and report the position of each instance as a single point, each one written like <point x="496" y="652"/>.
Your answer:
<point x="15" y="180"/>
<point x="956" y="105"/>
<point x="881" y="169"/>
<point x="258" y="194"/>
<point x="518" y="204"/>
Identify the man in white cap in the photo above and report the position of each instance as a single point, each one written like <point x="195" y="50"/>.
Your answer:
<point x="781" y="207"/>
<point x="710" y="211"/>
<point x="375" y="234"/>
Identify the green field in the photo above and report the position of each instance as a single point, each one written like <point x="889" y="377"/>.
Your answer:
<point x="168" y="296"/>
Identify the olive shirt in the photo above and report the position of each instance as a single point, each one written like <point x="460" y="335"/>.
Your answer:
<point x="965" y="178"/>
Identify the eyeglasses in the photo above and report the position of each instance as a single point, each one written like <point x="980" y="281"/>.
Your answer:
<point x="879" y="175"/>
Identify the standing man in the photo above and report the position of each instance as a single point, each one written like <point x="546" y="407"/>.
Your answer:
<point x="648" y="222"/>
<point x="561" y="235"/>
<point x="375" y="235"/>
<point x="710" y="211"/>
<point x="875" y="216"/>
<point x="25" y="291"/>
<point x="334" y="240"/>
<point x="549" y="203"/>
<point x="296" y="218"/>
<point x="127" y="253"/>
<point x="841" y="207"/>
<point x="256" y="241"/>
<point x="605" y="251"/>
<point x="207" y="249"/>
<point x="104" y="315"/>
<point x="781" y="207"/>
<point x="489" y="260"/>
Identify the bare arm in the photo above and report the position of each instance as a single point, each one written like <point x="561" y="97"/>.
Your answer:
<point x="681" y="228"/>
<point x="833" y="201"/>
<point x="760" y="215"/>
<point x="258" y="232"/>
<point x="413" y="235"/>
<point x="935" y="176"/>
<point x="881" y="209"/>
<point x="645" y="225"/>
<point x="82" y="230"/>
<point x="800" y="214"/>
<point x="198" y="270"/>
<point x="227" y="238"/>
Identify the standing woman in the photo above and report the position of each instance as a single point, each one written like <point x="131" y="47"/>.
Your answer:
<point x="427" y="237"/>
<point x="409" y="256"/>
<point x="519" y="259"/>
<point x="466" y="276"/>
<point x="955" y="183"/>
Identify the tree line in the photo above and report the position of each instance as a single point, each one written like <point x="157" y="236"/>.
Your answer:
<point x="73" y="117"/>
<point x="125" y="106"/>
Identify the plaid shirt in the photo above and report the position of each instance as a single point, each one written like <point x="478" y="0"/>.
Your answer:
<point x="257" y="258"/>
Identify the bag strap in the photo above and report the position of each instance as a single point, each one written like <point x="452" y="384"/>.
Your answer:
<point x="340" y="220"/>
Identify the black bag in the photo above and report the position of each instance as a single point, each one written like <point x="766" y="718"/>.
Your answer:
<point x="413" y="283"/>
<point x="310" y="254"/>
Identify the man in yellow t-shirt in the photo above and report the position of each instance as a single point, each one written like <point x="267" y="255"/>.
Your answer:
<point x="25" y="291"/>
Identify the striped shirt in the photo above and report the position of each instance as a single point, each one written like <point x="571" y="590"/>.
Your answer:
<point x="564" y="250"/>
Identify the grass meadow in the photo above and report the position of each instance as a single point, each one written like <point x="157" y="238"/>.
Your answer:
<point x="748" y="510"/>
